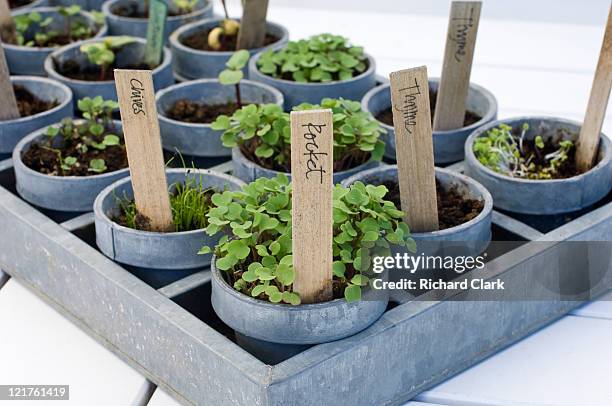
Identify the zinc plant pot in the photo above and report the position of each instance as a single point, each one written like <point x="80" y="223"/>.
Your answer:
<point x="154" y="250"/>
<point x="248" y="170"/>
<point x="11" y="131"/>
<point x="193" y="63"/>
<point x="296" y="93"/>
<point x="130" y="54"/>
<point x="60" y="193"/>
<point x="32" y="4"/>
<point x="24" y="60"/>
<point x="294" y="325"/>
<point x="137" y="27"/>
<point x="197" y="139"/>
<point x="470" y="238"/>
<point x="448" y="145"/>
<point x="543" y="197"/>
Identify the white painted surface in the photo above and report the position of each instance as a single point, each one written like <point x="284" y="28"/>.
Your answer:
<point x="39" y="346"/>
<point x="161" y="398"/>
<point x="565" y="364"/>
<point x="601" y="308"/>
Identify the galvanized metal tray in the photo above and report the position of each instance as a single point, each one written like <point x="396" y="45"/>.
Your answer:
<point x="173" y="337"/>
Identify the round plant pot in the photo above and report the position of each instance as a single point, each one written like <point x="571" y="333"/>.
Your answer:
<point x="11" y="131"/>
<point x="296" y="93"/>
<point x="543" y="197"/>
<point x="448" y="145"/>
<point x="129" y="54"/>
<point x="200" y="139"/>
<point x="195" y="64"/>
<point x="35" y="3"/>
<point x="137" y="27"/>
<point x="61" y="193"/>
<point x="153" y="250"/>
<point x="248" y="170"/>
<point x="470" y="238"/>
<point x="297" y="325"/>
<point x="31" y="60"/>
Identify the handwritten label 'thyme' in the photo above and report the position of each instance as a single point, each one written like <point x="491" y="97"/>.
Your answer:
<point x="409" y="107"/>
<point x="460" y="33"/>
<point x="312" y="150"/>
<point x="137" y="97"/>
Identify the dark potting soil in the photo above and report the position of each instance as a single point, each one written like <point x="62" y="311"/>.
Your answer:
<point x="453" y="208"/>
<point x="18" y="3"/>
<point x="386" y="116"/>
<point x="199" y="40"/>
<point x="349" y="160"/>
<point x="566" y="169"/>
<point x="193" y="112"/>
<point x="41" y="158"/>
<point x="29" y="104"/>
<point x="133" y="11"/>
<point x="92" y="73"/>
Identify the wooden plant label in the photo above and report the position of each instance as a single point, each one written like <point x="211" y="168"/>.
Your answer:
<point x="143" y="143"/>
<point x="8" y="106"/>
<point x="7" y="25"/>
<point x="588" y="142"/>
<point x="312" y="183"/>
<point x="457" y="66"/>
<point x="158" y="10"/>
<point x="414" y="146"/>
<point x="252" y="33"/>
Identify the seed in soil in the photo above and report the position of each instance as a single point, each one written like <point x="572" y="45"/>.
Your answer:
<point x="29" y="104"/>
<point x="190" y="203"/>
<point x="386" y="116"/>
<point x="199" y="40"/>
<point x="92" y="73"/>
<point x="195" y="112"/>
<point x="453" y="207"/>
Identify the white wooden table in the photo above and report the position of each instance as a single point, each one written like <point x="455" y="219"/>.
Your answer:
<point x="537" y="57"/>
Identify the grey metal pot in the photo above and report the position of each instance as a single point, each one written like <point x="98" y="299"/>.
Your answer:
<point x="543" y="196"/>
<point x="471" y="238"/>
<point x="296" y="93"/>
<point x="200" y="139"/>
<point x="248" y="170"/>
<point x="195" y="64"/>
<point x="129" y="54"/>
<point x="11" y="131"/>
<point x="31" y="60"/>
<point x="153" y="250"/>
<point x="60" y="193"/>
<point x="296" y="325"/>
<point x="35" y="3"/>
<point x="137" y="27"/>
<point x="448" y="145"/>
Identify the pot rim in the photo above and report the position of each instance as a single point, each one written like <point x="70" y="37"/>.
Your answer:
<point x="106" y="9"/>
<point x="238" y="152"/>
<point x="216" y="274"/>
<point x="50" y="82"/>
<point x="470" y="157"/>
<point x="488" y="116"/>
<point x="101" y="215"/>
<point x="35" y="135"/>
<point x="203" y="82"/>
<point x="102" y="31"/>
<point x="371" y="70"/>
<point x="485" y="195"/>
<point x="175" y="37"/>
<point x="53" y="73"/>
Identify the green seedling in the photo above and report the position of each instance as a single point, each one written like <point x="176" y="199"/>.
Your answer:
<point x="265" y="130"/>
<point x="233" y="74"/>
<point x="190" y="202"/>
<point x="74" y="29"/>
<point x="256" y="251"/>
<point x="102" y="53"/>
<point x="504" y="151"/>
<point x="185" y="6"/>
<point x="97" y="132"/>
<point x="320" y="58"/>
